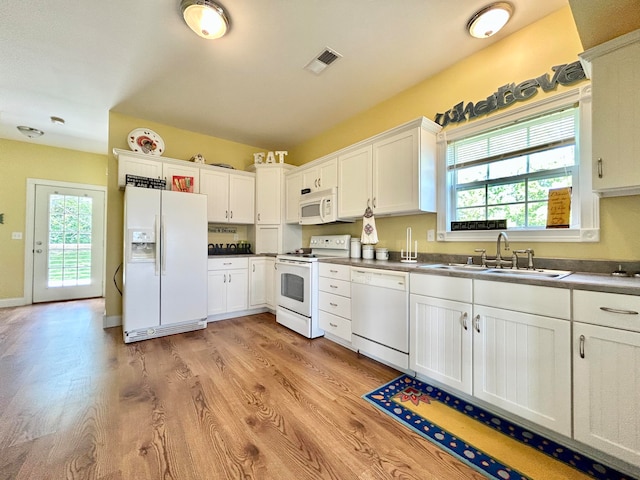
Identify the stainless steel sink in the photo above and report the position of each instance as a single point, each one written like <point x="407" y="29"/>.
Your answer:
<point x="456" y="267"/>
<point x="537" y="273"/>
<point x="505" y="272"/>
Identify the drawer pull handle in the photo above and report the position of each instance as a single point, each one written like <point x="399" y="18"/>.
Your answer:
<point x="333" y="304"/>
<point x="333" y="286"/>
<point x="464" y="320"/>
<point x="227" y="263"/>
<point x="333" y="325"/>
<point x="618" y="310"/>
<point x="333" y="271"/>
<point x="581" y="346"/>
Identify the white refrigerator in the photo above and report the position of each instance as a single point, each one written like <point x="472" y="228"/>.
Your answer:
<point x="164" y="264"/>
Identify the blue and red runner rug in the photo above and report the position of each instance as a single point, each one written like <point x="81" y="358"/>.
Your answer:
<point x="491" y="445"/>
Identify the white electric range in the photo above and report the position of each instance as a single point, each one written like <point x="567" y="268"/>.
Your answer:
<point x="297" y="281"/>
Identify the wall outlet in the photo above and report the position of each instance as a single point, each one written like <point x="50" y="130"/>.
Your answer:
<point x="16" y="235"/>
<point x="431" y="236"/>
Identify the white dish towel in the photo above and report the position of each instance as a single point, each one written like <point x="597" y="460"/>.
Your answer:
<point x="369" y="232"/>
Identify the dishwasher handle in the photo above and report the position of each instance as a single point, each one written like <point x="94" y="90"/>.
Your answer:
<point x="392" y="281"/>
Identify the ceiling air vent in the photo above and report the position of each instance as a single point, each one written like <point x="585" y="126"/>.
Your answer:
<point x="322" y="61"/>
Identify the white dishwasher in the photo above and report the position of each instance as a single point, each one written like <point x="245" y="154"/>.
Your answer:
<point x="380" y="314"/>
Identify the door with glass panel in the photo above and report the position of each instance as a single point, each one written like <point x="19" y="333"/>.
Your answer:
<point x="68" y="243"/>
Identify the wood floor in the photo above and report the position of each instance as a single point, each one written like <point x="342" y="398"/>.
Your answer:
<point x="245" y="398"/>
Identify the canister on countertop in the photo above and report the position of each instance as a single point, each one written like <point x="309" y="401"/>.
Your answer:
<point x="356" y="248"/>
<point x="382" y="254"/>
<point x="367" y="252"/>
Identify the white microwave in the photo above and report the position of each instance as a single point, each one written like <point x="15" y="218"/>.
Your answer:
<point x="320" y="207"/>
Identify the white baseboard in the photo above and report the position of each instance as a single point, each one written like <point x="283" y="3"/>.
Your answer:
<point x="111" y="321"/>
<point x="13" y="302"/>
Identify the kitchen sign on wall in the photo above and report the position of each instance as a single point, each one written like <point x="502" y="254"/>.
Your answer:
<point x="506" y="95"/>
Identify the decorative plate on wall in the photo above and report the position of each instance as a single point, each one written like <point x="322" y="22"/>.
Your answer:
<point x="143" y="140"/>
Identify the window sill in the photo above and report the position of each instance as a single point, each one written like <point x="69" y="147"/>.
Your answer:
<point x="543" y="235"/>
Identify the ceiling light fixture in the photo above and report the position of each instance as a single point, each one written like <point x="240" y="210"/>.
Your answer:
<point x="205" y="17"/>
<point x="30" y="131"/>
<point x="490" y="19"/>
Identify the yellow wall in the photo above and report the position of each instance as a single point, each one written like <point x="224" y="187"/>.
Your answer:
<point x="526" y="54"/>
<point x="179" y="144"/>
<point x="22" y="160"/>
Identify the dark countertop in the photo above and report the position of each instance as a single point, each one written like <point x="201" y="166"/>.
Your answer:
<point x="242" y="255"/>
<point x="597" y="282"/>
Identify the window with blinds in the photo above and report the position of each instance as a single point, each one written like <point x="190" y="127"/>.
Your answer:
<point x="506" y="173"/>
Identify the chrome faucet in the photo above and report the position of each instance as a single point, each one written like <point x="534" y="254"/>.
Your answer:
<point x="499" y="261"/>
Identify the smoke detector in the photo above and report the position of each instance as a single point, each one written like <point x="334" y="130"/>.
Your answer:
<point x="321" y="61"/>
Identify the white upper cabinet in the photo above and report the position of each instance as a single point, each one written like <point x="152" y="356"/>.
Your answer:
<point x="354" y="181"/>
<point x="269" y="181"/>
<point x="396" y="187"/>
<point x="135" y="165"/>
<point x="181" y="178"/>
<point x="230" y="196"/>
<point x="179" y="175"/>
<point x="393" y="173"/>
<point x="614" y="69"/>
<point x="321" y="176"/>
<point x="241" y="198"/>
<point x="293" y="185"/>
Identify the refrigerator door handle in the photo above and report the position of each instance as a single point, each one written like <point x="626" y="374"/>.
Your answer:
<point x="163" y="232"/>
<point x="156" y="227"/>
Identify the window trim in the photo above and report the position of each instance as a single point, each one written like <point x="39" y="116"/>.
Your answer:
<point x="586" y="202"/>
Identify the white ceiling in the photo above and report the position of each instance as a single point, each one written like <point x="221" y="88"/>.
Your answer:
<point x="80" y="59"/>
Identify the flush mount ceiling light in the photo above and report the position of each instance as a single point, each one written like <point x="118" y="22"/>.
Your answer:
<point x="30" y="131"/>
<point x="490" y="19"/>
<point x="206" y="18"/>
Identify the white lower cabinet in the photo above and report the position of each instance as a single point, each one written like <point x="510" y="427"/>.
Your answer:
<point x="441" y="333"/>
<point x="505" y="349"/>
<point x="228" y="285"/>
<point x="261" y="280"/>
<point x="606" y="373"/>
<point x="522" y="364"/>
<point x="335" y="300"/>
<point x="522" y="351"/>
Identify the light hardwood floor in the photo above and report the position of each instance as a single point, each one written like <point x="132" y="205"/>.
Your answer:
<point x="245" y="398"/>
